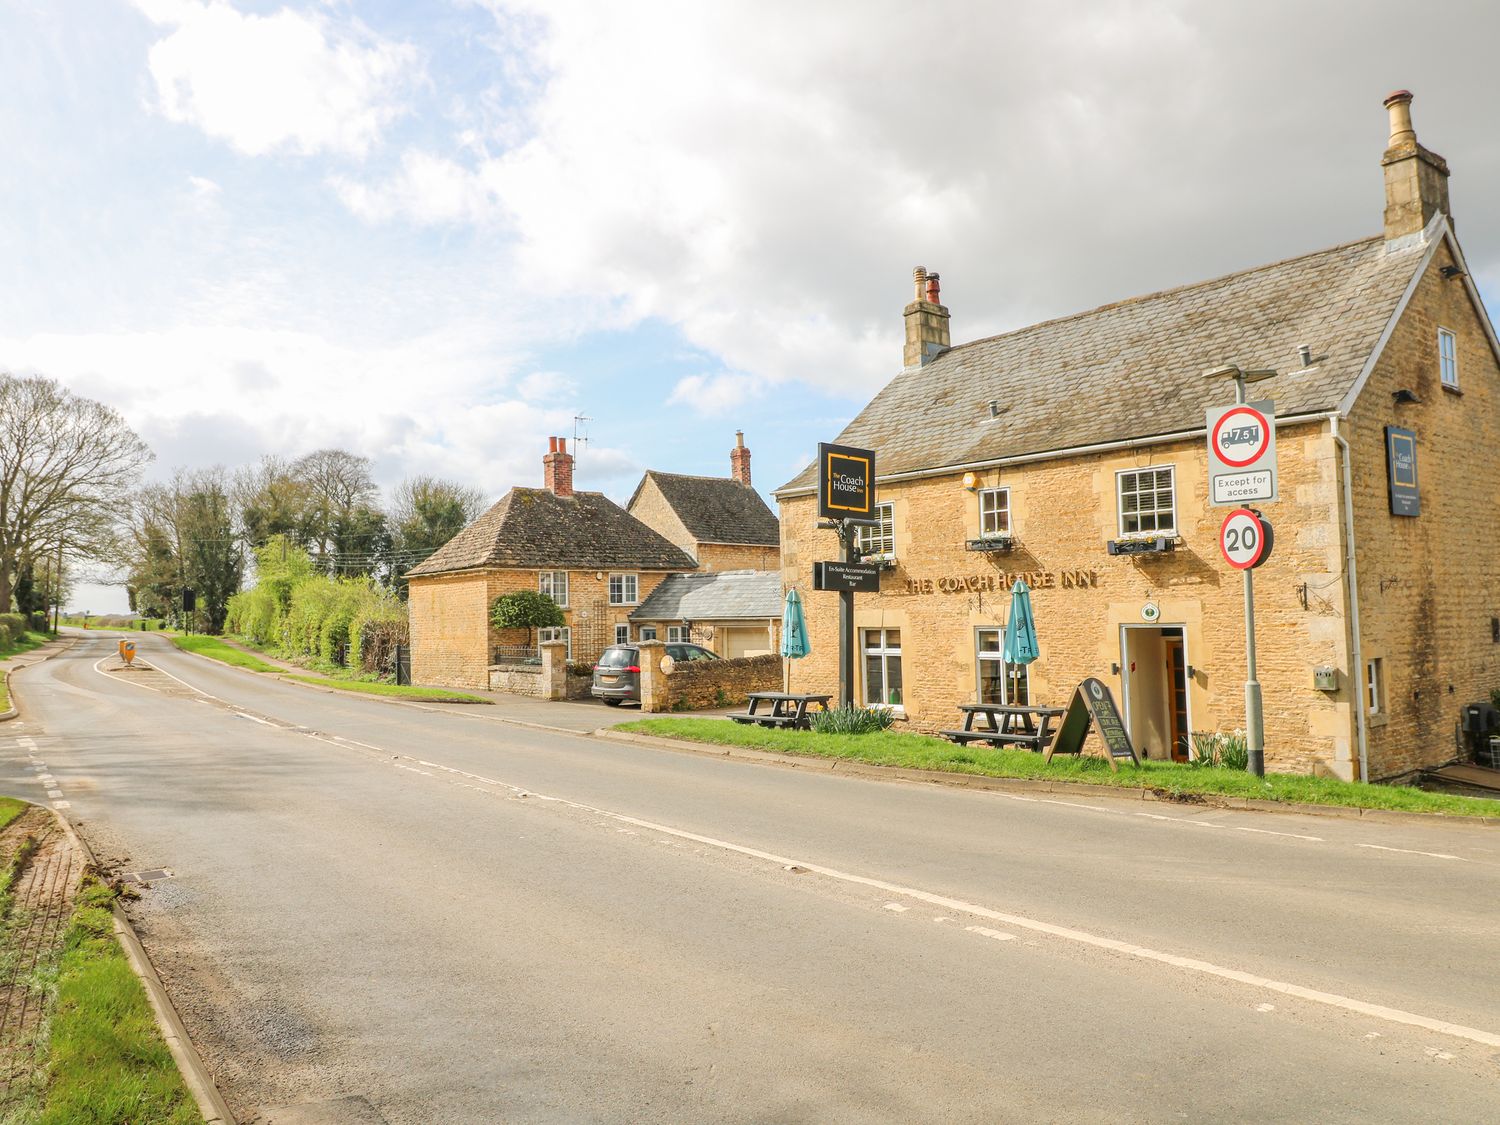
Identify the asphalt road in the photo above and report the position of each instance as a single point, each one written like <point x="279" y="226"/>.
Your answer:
<point x="417" y="914"/>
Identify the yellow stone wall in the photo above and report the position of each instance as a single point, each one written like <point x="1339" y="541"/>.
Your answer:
<point x="726" y="556"/>
<point x="1063" y="513"/>
<point x="1429" y="585"/>
<point x="652" y="509"/>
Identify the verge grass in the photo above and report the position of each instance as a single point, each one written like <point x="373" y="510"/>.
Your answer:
<point x="917" y="751"/>
<point x="396" y="691"/>
<point x="10" y="808"/>
<point x="106" y="1057"/>
<point x="216" y="649"/>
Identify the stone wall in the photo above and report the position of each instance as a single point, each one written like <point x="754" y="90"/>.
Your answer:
<point x="517" y="679"/>
<point x="699" y="685"/>
<point x="730" y="556"/>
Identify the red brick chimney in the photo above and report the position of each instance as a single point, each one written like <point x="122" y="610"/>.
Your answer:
<point x="557" y="467"/>
<point x="739" y="459"/>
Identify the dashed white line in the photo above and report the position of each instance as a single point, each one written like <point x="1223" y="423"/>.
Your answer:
<point x="1409" y="851"/>
<point x="985" y="931"/>
<point x="895" y="906"/>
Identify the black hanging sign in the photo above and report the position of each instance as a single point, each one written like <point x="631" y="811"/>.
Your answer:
<point x="1401" y="469"/>
<point x="861" y="578"/>
<point x="1093" y="705"/>
<point x="846" y="483"/>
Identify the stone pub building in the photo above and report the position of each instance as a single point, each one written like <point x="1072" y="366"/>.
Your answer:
<point x="1073" y="454"/>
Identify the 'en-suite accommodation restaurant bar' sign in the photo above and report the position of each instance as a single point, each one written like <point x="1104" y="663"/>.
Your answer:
<point x="846" y="483"/>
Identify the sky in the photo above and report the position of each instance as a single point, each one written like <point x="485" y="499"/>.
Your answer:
<point x="435" y="233"/>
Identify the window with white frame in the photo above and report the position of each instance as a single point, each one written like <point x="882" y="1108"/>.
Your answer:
<point x="648" y="632"/>
<point x="624" y="589"/>
<point x="994" y="513"/>
<point x="882" y="653"/>
<point x="878" y="538"/>
<point x="622" y="634"/>
<point x="1000" y="681"/>
<point x="1148" y="501"/>
<point x="554" y="583"/>
<point x="676" y="634"/>
<point x="1373" y="686"/>
<point x="564" y="634"/>
<point x="1448" y="358"/>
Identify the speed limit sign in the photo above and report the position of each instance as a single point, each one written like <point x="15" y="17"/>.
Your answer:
<point x="1245" y="539"/>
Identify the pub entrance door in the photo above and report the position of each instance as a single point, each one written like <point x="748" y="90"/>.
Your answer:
<point x="1154" y="684"/>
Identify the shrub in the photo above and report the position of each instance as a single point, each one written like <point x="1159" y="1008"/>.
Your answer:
<point x="1228" y="750"/>
<point x="12" y="625"/>
<point x="852" y="720"/>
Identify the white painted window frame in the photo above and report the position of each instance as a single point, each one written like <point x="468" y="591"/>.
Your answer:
<point x="546" y="583"/>
<point x="885" y="653"/>
<point x="1373" y="686"/>
<point x="622" y="634"/>
<point x="648" y="632"/>
<point x="562" y="633"/>
<point x="878" y="540"/>
<point x="997" y="657"/>
<point x="634" y="582"/>
<point x="1120" y="475"/>
<point x="1448" y="358"/>
<point x="998" y="532"/>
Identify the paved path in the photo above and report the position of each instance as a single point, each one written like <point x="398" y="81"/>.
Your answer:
<point x="413" y="914"/>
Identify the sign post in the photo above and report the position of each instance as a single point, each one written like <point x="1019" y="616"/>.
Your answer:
<point x="846" y="500"/>
<point x="1241" y="470"/>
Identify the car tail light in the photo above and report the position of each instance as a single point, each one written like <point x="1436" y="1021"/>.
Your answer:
<point x="636" y="668"/>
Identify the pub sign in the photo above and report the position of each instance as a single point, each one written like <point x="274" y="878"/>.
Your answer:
<point x="1401" y="468"/>
<point x="846" y="483"/>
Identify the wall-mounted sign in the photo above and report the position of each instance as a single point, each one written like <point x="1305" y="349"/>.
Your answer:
<point x="1241" y="453"/>
<point x="861" y="578"/>
<point x="1151" y="613"/>
<point x="1000" y="582"/>
<point x="846" y="483"/>
<point x="1093" y="704"/>
<point x="1401" y="469"/>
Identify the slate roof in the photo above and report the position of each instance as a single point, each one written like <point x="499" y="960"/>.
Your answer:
<point x="530" y="528"/>
<point x="1134" y="369"/>
<point x="717" y="509"/>
<point x="713" y="597"/>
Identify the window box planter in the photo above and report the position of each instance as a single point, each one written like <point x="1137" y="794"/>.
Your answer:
<point x="994" y="545"/>
<point x="884" y="562"/>
<point x="1154" y="545"/>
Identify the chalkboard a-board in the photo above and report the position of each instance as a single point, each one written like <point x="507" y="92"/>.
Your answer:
<point x="1093" y="704"/>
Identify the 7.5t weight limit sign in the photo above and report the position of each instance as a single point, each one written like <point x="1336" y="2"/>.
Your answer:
<point x="1245" y="539"/>
<point x="1242" y="453"/>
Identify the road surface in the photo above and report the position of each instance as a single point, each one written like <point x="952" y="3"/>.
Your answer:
<point x="382" y="912"/>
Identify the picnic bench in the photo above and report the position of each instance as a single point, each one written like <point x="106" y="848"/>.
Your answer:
<point x="783" y="709"/>
<point x="1006" y="725"/>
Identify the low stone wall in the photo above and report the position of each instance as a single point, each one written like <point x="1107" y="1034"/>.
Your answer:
<point x="696" y="685"/>
<point x="517" y="679"/>
<point x="579" y="684"/>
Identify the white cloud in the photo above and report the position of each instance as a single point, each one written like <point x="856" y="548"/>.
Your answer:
<point x="289" y="80"/>
<point x="546" y="386"/>
<point x="428" y="189"/>
<point x="711" y="394"/>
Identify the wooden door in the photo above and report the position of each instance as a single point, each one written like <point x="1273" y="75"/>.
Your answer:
<point x="1177" y="688"/>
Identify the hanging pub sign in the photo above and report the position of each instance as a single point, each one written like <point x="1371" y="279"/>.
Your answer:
<point x="1093" y="705"/>
<point x="846" y="483"/>
<point x="860" y="578"/>
<point x="1401" y="469"/>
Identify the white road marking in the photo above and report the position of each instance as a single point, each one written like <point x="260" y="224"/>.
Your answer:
<point x="1229" y="827"/>
<point x="61" y="805"/>
<point x="1265" y="1007"/>
<point x="1408" y="851"/>
<point x="54" y="793"/>
<point x="1438" y="1053"/>
<point x="254" y="718"/>
<point x="896" y="906"/>
<point x="998" y="935"/>
<point x="942" y="918"/>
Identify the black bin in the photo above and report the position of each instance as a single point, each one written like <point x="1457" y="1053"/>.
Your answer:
<point x="1481" y="718"/>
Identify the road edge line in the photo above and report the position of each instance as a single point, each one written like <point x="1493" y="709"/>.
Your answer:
<point x="190" y="1064"/>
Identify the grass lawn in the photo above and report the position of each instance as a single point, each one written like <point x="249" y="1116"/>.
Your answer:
<point x="10" y="808"/>
<point x="396" y="691"/>
<point x="916" y="751"/>
<point x="218" y="650"/>
<point x="106" y="1057"/>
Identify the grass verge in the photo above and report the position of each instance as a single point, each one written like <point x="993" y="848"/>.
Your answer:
<point x="216" y="649"/>
<point x="106" y="1057"/>
<point x="10" y="808"/>
<point x="395" y="691"/>
<point x="916" y="751"/>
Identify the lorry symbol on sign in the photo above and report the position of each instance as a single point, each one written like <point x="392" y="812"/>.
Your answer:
<point x="1240" y="435"/>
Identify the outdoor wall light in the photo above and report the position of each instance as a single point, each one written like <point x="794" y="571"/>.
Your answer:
<point x="1404" y="396"/>
<point x="1450" y="272"/>
<point x="971" y="481"/>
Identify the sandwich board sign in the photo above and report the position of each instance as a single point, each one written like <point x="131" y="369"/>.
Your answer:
<point x="1093" y="705"/>
<point x="846" y="483"/>
<point x="1241" y="453"/>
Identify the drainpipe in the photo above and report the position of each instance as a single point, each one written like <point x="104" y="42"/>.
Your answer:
<point x="1356" y="676"/>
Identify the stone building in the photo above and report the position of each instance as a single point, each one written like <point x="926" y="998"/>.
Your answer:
<point x="587" y="553"/>
<point x="1030" y="453"/>
<point x="733" y="612"/>
<point x="721" y="521"/>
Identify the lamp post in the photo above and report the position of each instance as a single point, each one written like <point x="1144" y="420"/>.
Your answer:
<point x="1255" y="734"/>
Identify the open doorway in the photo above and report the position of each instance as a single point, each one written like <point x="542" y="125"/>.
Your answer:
<point x="1154" y="664"/>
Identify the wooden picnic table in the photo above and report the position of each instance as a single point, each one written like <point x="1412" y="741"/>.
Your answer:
<point x="785" y="709"/>
<point x="1006" y="724"/>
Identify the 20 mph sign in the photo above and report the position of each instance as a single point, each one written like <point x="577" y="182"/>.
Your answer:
<point x="1241" y="453"/>
<point x="1245" y="539"/>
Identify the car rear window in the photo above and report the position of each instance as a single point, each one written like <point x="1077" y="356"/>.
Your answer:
<point x="617" y="658"/>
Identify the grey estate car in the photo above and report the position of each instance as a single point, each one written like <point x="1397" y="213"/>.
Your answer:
<point x="617" y="676"/>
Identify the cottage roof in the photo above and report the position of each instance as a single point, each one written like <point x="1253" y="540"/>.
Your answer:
<point x="1134" y="369"/>
<point x="716" y="509"/>
<point x="713" y="597"/>
<point x="531" y="528"/>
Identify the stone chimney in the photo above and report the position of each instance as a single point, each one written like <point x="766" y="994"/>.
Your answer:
<point x="557" y="467"/>
<point x="739" y="459"/>
<point x="926" y="322"/>
<point x="1416" y="180"/>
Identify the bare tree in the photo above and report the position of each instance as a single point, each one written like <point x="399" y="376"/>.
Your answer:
<point x="426" y="512"/>
<point x="67" y="464"/>
<point x="345" y="524"/>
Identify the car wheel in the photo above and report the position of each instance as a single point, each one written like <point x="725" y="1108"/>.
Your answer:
<point x="613" y="702"/>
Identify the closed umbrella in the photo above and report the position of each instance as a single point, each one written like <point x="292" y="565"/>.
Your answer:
<point x="794" y="644"/>
<point x="1020" y="630"/>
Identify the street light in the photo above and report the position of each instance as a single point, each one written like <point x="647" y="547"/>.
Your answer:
<point x="1255" y="733"/>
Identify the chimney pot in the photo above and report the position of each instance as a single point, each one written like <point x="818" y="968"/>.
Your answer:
<point x="926" y="321"/>
<point x="919" y="276"/>
<point x="1416" y="179"/>
<point x="933" y="289"/>
<point x="557" y="468"/>
<point x="739" y="460"/>
<point x="1399" y="106"/>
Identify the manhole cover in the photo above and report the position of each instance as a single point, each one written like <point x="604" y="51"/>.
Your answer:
<point x="145" y="876"/>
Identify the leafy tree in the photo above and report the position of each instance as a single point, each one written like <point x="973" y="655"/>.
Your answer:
<point x="425" y="514"/>
<point x="526" y="609"/>
<point x="344" y="523"/>
<point x="67" y="464"/>
<point x="212" y="562"/>
<point x="273" y="502"/>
